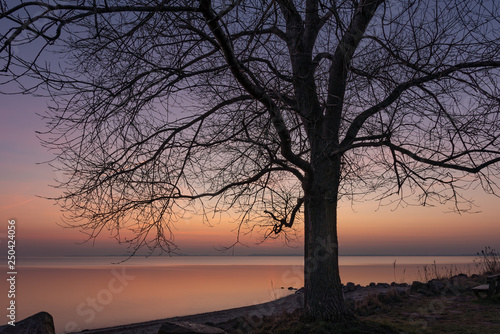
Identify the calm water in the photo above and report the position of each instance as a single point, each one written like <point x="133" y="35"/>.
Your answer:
<point x="92" y="292"/>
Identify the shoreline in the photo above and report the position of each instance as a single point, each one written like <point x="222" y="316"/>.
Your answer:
<point x="286" y="304"/>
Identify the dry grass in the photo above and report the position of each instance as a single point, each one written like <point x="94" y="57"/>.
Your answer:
<point x="378" y="303"/>
<point x="454" y="310"/>
<point x="459" y="312"/>
<point x="488" y="261"/>
<point x="433" y="271"/>
<point x="296" y="323"/>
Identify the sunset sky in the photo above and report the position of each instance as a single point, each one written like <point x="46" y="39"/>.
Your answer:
<point x="363" y="229"/>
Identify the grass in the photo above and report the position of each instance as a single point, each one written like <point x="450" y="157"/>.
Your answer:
<point x="458" y="312"/>
<point x="377" y="303"/>
<point x="488" y="261"/>
<point x="433" y="271"/>
<point x="454" y="310"/>
<point x="462" y="313"/>
<point x="395" y="276"/>
<point x="295" y="323"/>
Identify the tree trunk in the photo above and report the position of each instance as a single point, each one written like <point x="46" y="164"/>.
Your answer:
<point x="323" y="289"/>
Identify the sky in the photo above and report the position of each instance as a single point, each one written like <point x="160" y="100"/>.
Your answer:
<point x="364" y="229"/>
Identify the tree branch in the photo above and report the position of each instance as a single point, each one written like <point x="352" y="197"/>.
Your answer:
<point x="358" y="122"/>
<point x="256" y="91"/>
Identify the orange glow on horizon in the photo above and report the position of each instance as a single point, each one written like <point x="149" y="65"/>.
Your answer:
<point x="365" y="230"/>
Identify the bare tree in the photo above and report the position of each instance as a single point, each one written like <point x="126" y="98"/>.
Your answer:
<point x="274" y="109"/>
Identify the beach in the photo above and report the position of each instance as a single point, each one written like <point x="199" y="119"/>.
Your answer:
<point x="442" y="305"/>
<point x="91" y="293"/>
<point x="240" y="315"/>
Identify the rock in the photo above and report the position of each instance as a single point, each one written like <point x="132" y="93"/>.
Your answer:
<point x="238" y="325"/>
<point x="299" y="291"/>
<point x="459" y="276"/>
<point x="436" y="286"/>
<point x="185" y="327"/>
<point x="399" y="285"/>
<point x="419" y="287"/>
<point x="349" y="287"/>
<point x="433" y="287"/>
<point x="40" y="323"/>
<point x="372" y="284"/>
<point x="459" y="279"/>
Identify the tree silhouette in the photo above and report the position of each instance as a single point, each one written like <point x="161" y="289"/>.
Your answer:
<point x="273" y="109"/>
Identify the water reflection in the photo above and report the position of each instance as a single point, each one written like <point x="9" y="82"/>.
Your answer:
<point x="87" y="293"/>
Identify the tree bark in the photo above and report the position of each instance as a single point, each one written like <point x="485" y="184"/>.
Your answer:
<point x="323" y="289"/>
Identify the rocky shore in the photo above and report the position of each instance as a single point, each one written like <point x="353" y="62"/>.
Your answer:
<point x="243" y="319"/>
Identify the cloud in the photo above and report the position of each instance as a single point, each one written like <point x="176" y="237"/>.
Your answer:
<point x="16" y="204"/>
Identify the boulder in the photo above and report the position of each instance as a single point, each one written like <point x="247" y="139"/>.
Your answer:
<point x="419" y="287"/>
<point x="40" y="323"/>
<point x="433" y="287"/>
<point x="436" y="286"/>
<point x="184" y="327"/>
<point x="400" y="285"/>
<point x="459" y="276"/>
<point x="350" y="287"/>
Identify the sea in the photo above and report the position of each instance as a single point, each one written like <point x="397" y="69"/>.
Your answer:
<point x="95" y="292"/>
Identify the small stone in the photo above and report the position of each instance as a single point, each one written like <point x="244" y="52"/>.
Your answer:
<point x="299" y="291"/>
